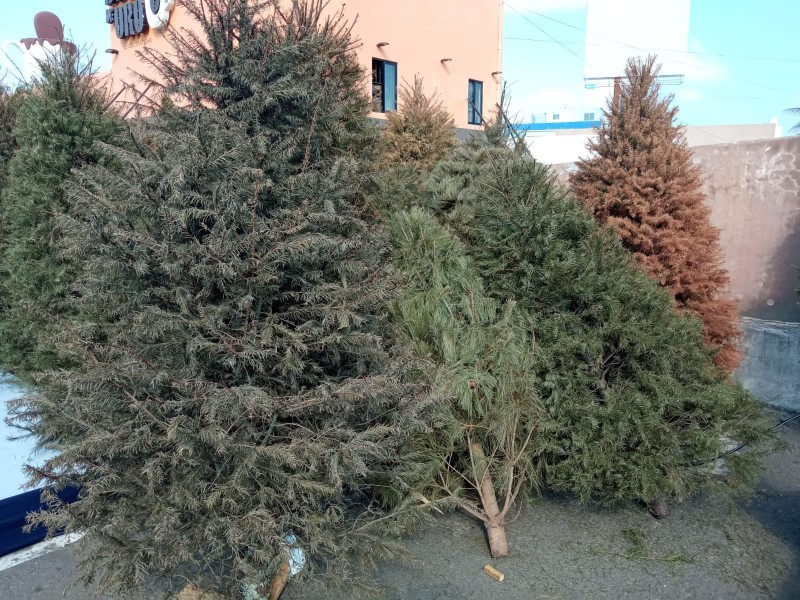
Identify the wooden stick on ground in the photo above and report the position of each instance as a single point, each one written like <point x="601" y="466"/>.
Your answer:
<point x="493" y="573"/>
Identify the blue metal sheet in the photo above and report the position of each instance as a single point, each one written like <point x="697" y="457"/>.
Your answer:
<point x="12" y="519"/>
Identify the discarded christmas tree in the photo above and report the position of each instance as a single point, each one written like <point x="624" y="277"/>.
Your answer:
<point x="58" y="122"/>
<point x="480" y="458"/>
<point x="640" y="180"/>
<point x="421" y="132"/>
<point x="484" y="455"/>
<point x="234" y="393"/>
<point x="638" y="411"/>
<point x="9" y="105"/>
<point x="416" y="136"/>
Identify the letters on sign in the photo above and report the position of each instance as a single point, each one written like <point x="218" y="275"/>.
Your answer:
<point x="133" y="18"/>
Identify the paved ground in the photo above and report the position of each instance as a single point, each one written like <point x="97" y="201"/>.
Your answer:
<point x="564" y="551"/>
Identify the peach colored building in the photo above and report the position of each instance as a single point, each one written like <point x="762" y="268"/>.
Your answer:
<point x="455" y="45"/>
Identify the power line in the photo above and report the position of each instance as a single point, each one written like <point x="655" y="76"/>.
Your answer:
<point x="769" y="58"/>
<point x="717" y="73"/>
<point x="736" y="97"/>
<point x="575" y="54"/>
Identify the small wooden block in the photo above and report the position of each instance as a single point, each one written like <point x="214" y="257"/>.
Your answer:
<point x="493" y="573"/>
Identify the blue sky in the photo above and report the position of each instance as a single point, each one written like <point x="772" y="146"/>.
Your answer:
<point x="742" y="63"/>
<point x="745" y="55"/>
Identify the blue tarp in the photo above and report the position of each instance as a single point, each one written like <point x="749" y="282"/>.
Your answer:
<point x="12" y="519"/>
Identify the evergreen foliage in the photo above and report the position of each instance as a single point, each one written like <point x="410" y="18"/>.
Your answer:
<point x="481" y="456"/>
<point x="640" y="180"/>
<point x="58" y="121"/>
<point x="490" y="433"/>
<point x="421" y="133"/>
<point x="9" y="105"/>
<point x="232" y="383"/>
<point x="636" y="405"/>
<point x="416" y="136"/>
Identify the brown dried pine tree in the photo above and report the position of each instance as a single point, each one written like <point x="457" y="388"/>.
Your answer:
<point x="640" y="179"/>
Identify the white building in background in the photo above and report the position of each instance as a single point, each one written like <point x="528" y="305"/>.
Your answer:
<point x="557" y="143"/>
<point x="617" y="30"/>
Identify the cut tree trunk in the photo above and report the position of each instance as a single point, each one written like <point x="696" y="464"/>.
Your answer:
<point x="495" y="521"/>
<point x="659" y="508"/>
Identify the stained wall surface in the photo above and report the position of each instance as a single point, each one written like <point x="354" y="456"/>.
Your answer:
<point x="420" y="34"/>
<point x="770" y="369"/>
<point x="753" y="189"/>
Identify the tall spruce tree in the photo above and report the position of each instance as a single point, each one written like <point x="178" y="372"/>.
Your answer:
<point x="57" y="124"/>
<point x="233" y="392"/>
<point x="640" y="180"/>
<point x="638" y="410"/>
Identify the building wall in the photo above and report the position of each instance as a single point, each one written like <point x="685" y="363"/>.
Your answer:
<point x="710" y="135"/>
<point x="568" y="146"/>
<point x="753" y="189"/>
<point x="419" y="33"/>
<point x="770" y="366"/>
<point x="556" y="147"/>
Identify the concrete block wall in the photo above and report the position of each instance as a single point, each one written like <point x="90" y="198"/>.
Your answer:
<point x="753" y="190"/>
<point x="771" y="366"/>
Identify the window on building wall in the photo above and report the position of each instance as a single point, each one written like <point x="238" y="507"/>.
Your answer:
<point x="556" y="117"/>
<point x="475" y="102"/>
<point x="588" y="116"/>
<point x="384" y="85"/>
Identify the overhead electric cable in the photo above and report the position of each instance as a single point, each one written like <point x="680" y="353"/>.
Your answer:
<point x="768" y="58"/>
<point x="717" y="73"/>
<point x="578" y="56"/>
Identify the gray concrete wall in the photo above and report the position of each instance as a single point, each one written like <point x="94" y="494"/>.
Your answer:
<point x="753" y="190"/>
<point x="771" y="366"/>
<point x="727" y="134"/>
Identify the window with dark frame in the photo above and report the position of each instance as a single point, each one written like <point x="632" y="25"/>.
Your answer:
<point x="384" y="85"/>
<point x="588" y="116"/>
<point x="475" y="102"/>
<point x="556" y="116"/>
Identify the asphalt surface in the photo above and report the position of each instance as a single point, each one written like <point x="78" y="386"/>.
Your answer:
<point x="706" y="549"/>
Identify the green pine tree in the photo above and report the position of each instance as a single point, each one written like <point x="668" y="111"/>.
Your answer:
<point x="481" y="457"/>
<point x="639" y="411"/>
<point x="484" y="455"/>
<point x="57" y="124"/>
<point x="233" y="393"/>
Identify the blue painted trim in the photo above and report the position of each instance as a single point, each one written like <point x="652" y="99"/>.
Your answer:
<point x="557" y="125"/>
<point x="12" y="518"/>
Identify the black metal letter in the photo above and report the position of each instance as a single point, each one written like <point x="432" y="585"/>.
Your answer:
<point x="129" y="29"/>
<point x="119" y="21"/>
<point x="139" y="21"/>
